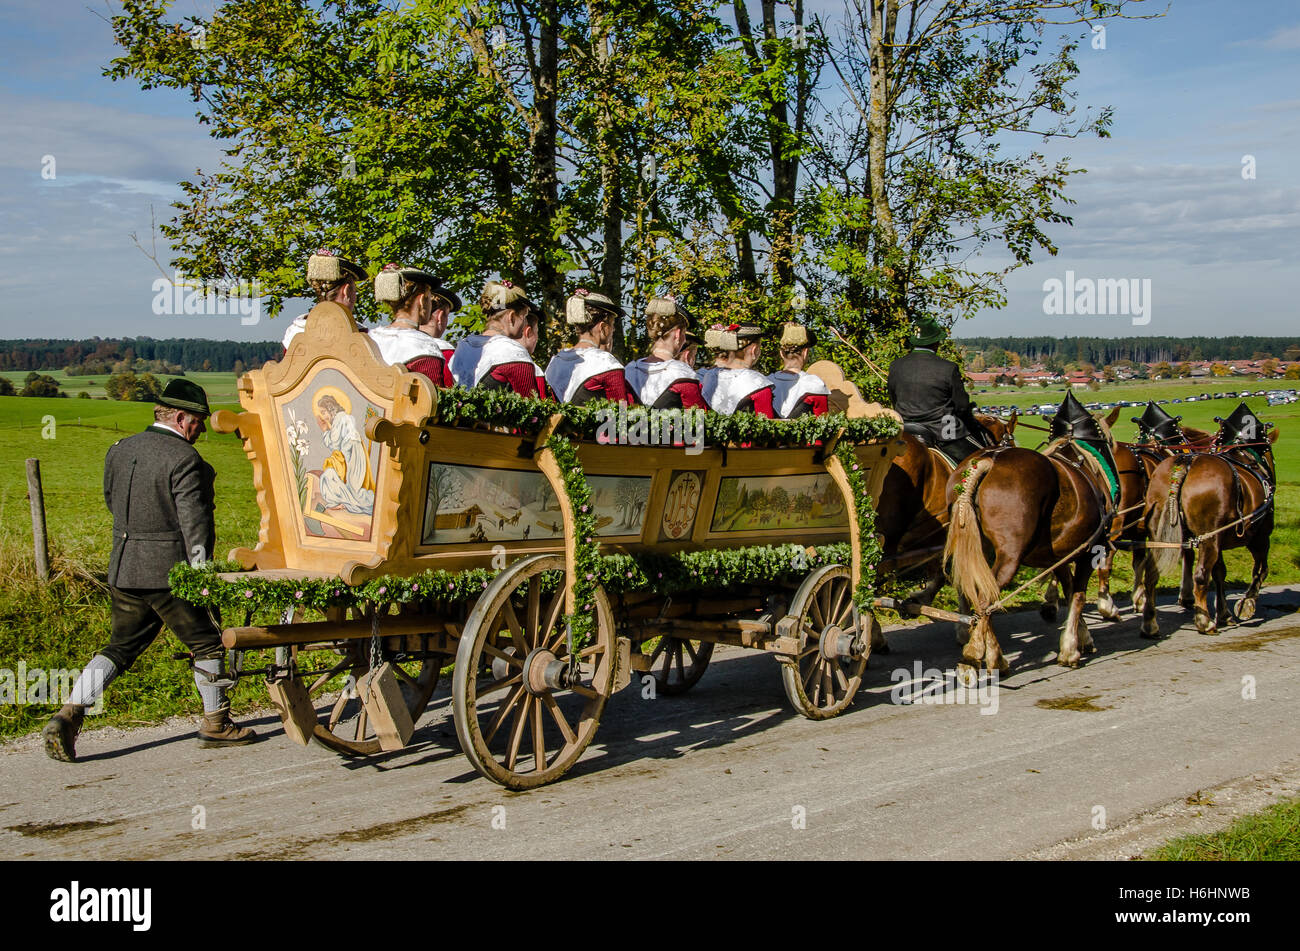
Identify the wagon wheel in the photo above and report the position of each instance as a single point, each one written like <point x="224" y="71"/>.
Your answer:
<point x="822" y="680"/>
<point x="518" y="719"/>
<point x="344" y="727"/>
<point x="676" y="663"/>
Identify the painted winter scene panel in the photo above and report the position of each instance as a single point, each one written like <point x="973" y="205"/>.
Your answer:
<point x="760" y="503"/>
<point x="476" y="504"/>
<point x="331" y="462"/>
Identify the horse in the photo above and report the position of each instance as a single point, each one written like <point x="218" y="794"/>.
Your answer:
<point x="913" y="513"/>
<point x="1219" y="499"/>
<point x="1136" y="463"/>
<point x="1027" y="508"/>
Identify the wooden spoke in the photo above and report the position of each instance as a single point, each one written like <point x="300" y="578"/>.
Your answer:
<point x="511" y="659"/>
<point x="539" y="740"/>
<point x="533" y="616"/>
<point x="503" y="711"/>
<point x="500" y="685"/>
<point x="516" y="629"/>
<point x="558" y="716"/>
<point x="517" y="732"/>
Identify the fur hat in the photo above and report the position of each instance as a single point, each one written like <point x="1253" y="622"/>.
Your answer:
<point x="393" y="283"/>
<point x="498" y="295"/>
<point x="663" y="314"/>
<point x="796" y="337"/>
<point x="577" y="309"/>
<point x="326" y="267"/>
<point x="731" y="337"/>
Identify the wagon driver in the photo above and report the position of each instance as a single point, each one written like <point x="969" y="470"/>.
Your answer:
<point x="927" y="391"/>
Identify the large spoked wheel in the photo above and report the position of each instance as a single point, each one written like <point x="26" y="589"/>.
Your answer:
<point x="344" y="726"/>
<point x="676" y="664"/>
<point x="521" y="719"/>
<point x="834" y="641"/>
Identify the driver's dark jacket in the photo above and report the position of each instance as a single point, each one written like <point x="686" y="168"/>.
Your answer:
<point x="924" y="388"/>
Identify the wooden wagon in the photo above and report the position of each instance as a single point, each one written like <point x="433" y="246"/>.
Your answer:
<point x="357" y="483"/>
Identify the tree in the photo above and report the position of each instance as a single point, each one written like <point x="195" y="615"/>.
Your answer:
<point x="36" y="384"/>
<point x="920" y="172"/>
<point x="6" y="387"/>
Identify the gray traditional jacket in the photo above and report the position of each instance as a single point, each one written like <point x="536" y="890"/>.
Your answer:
<point x="160" y="492"/>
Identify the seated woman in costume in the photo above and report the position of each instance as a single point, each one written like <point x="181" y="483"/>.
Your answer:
<point x="414" y="296"/>
<point x="732" y="385"/>
<point x="497" y="358"/>
<point x="661" y="380"/>
<point x="333" y="278"/>
<point x="588" y="370"/>
<point x="794" y="392"/>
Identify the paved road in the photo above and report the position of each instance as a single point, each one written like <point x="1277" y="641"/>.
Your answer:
<point x="727" y="770"/>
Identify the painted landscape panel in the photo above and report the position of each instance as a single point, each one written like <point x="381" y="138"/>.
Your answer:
<point x="477" y="504"/>
<point x="762" y="503"/>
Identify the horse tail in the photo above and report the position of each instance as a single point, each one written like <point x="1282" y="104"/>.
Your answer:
<point x="1166" y="524"/>
<point x="963" y="552"/>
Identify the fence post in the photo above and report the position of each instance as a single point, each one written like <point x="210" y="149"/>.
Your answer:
<point x="37" y="496"/>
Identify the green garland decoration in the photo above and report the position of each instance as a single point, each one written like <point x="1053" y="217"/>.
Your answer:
<point x="581" y="621"/>
<point x="461" y="407"/>
<point x="868" y="542"/>
<point x="664" y="574"/>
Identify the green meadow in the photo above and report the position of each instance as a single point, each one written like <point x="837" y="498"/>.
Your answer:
<point x="60" y="624"/>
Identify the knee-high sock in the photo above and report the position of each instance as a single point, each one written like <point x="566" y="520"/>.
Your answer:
<point x="214" y="698"/>
<point x="89" y="688"/>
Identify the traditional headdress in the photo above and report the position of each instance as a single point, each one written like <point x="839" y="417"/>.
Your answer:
<point x="731" y="337"/>
<point x="578" y="308"/>
<point x="662" y="314"/>
<point x="326" y="269"/>
<point x="394" y="282"/>
<point x="796" y="337"/>
<point x="498" y="295"/>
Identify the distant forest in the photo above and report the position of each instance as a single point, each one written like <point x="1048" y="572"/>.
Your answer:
<point x="102" y="355"/>
<point x="1102" y="351"/>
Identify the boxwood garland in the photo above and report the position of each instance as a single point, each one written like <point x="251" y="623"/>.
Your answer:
<point x="458" y="407"/>
<point x="578" y="490"/>
<point x="867" y="539"/>
<point x="665" y="574"/>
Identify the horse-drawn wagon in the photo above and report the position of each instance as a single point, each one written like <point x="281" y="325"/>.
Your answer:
<point x="544" y="554"/>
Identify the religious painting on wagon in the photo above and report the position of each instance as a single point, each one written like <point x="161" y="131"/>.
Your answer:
<point x="477" y="504"/>
<point x="762" y="503"/>
<point x="333" y="465"/>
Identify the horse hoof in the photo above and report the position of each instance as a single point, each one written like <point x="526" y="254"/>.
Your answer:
<point x="966" y="675"/>
<point x="1108" y="613"/>
<point x="1151" y="631"/>
<point x="1068" y="660"/>
<point x="1089" y="648"/>
<point x="1205" y="625"/>
<point x="1245" y="609"/>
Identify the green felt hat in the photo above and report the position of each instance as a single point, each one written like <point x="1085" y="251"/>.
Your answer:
<point x="926" y="331"/>
<point x="181" y="393"/>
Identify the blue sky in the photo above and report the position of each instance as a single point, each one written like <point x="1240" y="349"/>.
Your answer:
<point x="1164" y="198"/>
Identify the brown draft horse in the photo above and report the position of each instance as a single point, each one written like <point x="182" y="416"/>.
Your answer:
<point x="1136" y="463"/>
<point x="1194" y="496"/>
<point x="912" y="516"/>
<point x="1024" y="508"/>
